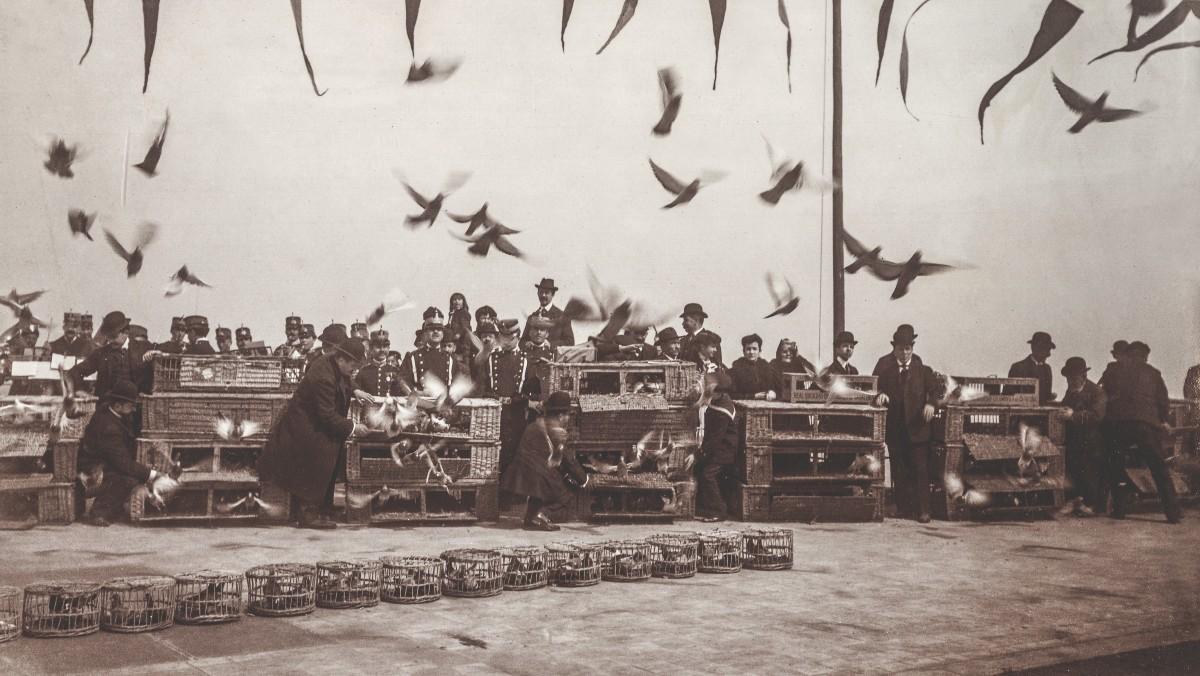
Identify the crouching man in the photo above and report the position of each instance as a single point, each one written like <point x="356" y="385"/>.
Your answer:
<point x="108" y="466"/>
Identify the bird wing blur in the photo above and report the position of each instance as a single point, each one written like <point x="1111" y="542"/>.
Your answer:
<point x="116" y="245"/>
<point x="627" y="11"/>
<point x="149" y="165"/>
<point x="790" y="180"/>
<point x="668" y="83"/>
<point x="1074" y="100"/>
<point x="669" y="182"/>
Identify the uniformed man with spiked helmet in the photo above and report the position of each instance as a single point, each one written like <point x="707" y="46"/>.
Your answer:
<point x="292" y="326"/>
<point x="197" y="330"/>
<point x="379" y="378"/>
<point x="507" y="374"/>
<point x="429" y="358"/>
<point x="224" y="340"/>
<point x="178" y="343"/>
<point x="246" y="345"/>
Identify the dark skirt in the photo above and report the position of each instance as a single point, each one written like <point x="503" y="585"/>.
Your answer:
<point x="530" y="476"/>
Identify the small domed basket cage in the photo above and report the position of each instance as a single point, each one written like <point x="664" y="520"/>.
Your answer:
<point x="525" y="568"/>
<point x="768" y="549"/>
<point x="720" y="552"/>
<point x="208" y="597"/>
<point x="472" y="573"/>
<point x="53" y="609"/>
<point x="281" y="589"/>
<point x="131" y="605"/>
<point x="348" y="584"/>
<point x="574" y="564"/>
<point x="411" y="579"/>
<point x="626" y="560"/>
<point x="10" y="613"/>
<point x="674" y="554"/>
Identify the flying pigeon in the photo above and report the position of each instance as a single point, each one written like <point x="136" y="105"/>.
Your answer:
<point x="81" y="222"/>
<point x="59" y="157"/>
<point x="668" y="84"/>
<point x="133" y="259"/>
<point x="431" y="71"/>
<point x="904" y="273"/>
<point x="792" y="179"/>
<point x="399" y="301"/>
<point x="683" y="192"/>
<point x="179" y="278"/>
<point x="149" y="166"/>
<point x="432" y="206"/>
<point x="862" y="256"/>
<point x="496" y="236"/>
<point x="783" y="296"/>
<point x="1089" y="111"/>
<point x="479" y="219"/>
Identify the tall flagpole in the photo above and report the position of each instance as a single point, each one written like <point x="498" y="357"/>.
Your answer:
<point x="839" y="275"/>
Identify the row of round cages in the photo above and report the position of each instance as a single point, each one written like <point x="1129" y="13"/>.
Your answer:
<point x="674" y="555"/>
<point x="411" y="579"/>
<point x="525" y="568"/>
<point x="472" y="573"/>
<point x="626" y="560"/>
<point x="574" y="564"/>
<point x="349" y="584"/>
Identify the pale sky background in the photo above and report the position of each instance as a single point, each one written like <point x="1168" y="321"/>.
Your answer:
<point x="287" y="202"/>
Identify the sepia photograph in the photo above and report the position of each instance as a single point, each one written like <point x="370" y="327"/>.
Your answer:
<point x="549" y="337"/>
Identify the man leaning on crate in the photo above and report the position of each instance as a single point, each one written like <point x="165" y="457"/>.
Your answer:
<point x="108" y="466"/>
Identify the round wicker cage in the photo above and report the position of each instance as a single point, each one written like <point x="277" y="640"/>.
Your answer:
<point x="768" y="549"/>
<point x="208" y="597"/>
<point x="472" y="573"/>
<point x="281" y="589"/>
<point x="10" y="613"/>
<point x="574" y="564"/>
<point x="52" y="609"/>
<point x="720" y="551"/>
<point x="674" y="554"/>
<point x="411" y="579"/>
<point x="348" y="584"/>
<point x="525" y="568"/>
<point x="626" y="560"/>
<point x="131" y="605"/>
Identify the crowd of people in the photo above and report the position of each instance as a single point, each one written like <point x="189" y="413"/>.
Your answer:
<point x="1123" y="412"/>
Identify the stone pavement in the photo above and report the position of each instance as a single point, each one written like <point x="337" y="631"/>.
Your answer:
<point x="862" y="598"/>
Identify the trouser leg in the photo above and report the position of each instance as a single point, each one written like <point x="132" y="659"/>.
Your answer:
<point x="1150" y="449"/>
<point x="920" y="486"/>
<point x="902" y="475"/>
<point x="112" y="495"/>
<point x="709" y="501"/>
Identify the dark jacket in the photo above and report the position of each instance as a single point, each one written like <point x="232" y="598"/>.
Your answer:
<point x="906" y="406"/>
<point x="459" y="326"/>
<point x="1088" y="406"/>
<point x="561" y="333"/>
<point x="508" y="373"/>
<point x="610" y="350"/>
<point x="108" y="442"/>
<point x="1136" y="392"/>
<point x="836" y="368"/>
<point x="111" y="364"/>
<point x="688" y="349"/>
<point x="172" y="347"/>
<point x="302" y="449"/>
<point x="378" y="379"/>
<point x="201" y="347"/>
<point x="530" y="473"/>
<point x="1027" y="368"/>
<point x="426" y="360"/>
<point x="720" y="442"/>
<point x="751" y="377"/>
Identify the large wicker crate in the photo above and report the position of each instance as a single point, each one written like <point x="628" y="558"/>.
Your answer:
<point x="644" y="497"/>
<point x="798" y="387"/>
<point x="1003" y="498"/>
<point x="191" y="414"/>
<point x="373" y="461"/>
<point x="1183" y="412"/>
<point x="474" y="419"/>
<point x="994" y="391"/>
<point x="218" y="373"/>
<point x="37" y="497"/>
<point x="771" y="421"/>
<point x="630" y="425"/>
<point x="764" y="463"/>
<point x="953" y="422"/>
<point x="811" y="500"/>
<point x="473" y="500"/>
<point x="30" y="437"/>
<point x="675" y="380"/>
<point x="205" y="458"/>
<point x="215" y="498"/>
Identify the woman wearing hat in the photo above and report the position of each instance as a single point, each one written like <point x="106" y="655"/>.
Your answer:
<point x="1085" y="404"/>
<point x="544" y="464"/>
<point x="788" y="360"/>
<point x="307" y="444"/>
<point x="108" y="452"/>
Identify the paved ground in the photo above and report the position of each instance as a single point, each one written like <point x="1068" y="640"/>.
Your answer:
<point x="863" y="598"/>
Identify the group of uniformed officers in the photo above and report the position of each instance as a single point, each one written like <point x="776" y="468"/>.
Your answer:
<point x="1122" y="414"/>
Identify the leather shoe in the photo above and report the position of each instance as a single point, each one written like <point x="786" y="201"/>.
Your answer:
<point x="924" y="518"/>
<point x="95" y="520"/>
<point x="540" y="523"/>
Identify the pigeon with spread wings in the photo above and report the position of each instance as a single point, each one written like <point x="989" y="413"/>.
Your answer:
<point x="133" y="259"/>
<point x="432" y="206"/>
<point x="683" y="192"/>
<point x="782" y="295"/>
<point x="905" y="273"/>
<point x="672" y="98"/>
<point x="149" y="165"/>
<point x="179" y="278"/>
<point x="81" y="222"/>
<point x="1089" y="111"/>
<point x="862" y="256"/>
<point x="60" y="157"/>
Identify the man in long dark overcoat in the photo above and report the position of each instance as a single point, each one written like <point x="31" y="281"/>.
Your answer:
<point x="908" y="388"/>
<point x="307" y="444"/>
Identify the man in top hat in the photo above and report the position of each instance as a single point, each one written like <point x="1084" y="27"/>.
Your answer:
<point x="197" y="329"/>
<point x="1087" y="455"/>
<point x="693" y="317"/>
<point x="429" y="358"/>
<point x="224" y="340"/>
<point x="108" y="458"/>
<point x="753" y="377"/>
<point x="307" y="446"/>
<point x="843" y="350"/>
<point x="246" y="345"/>
<point x="117" y="359"/>
<point x="1138" y="414"/>
<point x="292" y="327"/>
<point x="378" y="378"/>
<point x="178" y="343"/>
<point x="1035" y="366"/>
<point x="668" y="344"/>
<point x="561" y="333"/>
<point x="909" y="389"/>
<point x="507" y="374"/>
<point x="544" y="468"/>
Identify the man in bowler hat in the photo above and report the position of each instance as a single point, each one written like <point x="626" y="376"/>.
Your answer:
<point x="843" y="350"/>
<point x="693" y="317"/>
<point x="561" y="333"/>
<point x="1086" y="453"/>
<point x="1035" y="366"/>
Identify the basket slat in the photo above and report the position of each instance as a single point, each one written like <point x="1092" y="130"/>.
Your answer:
<point x="773" y="421"/>
<point x="223" y="373"/>
<point x="189" y="414"/>
<point x="677" y="381"/>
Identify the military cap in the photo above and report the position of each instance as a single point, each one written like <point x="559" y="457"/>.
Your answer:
<point x="85" y="323"/>
<point x="138" y="332"/>
<point x="223" y="332"/>
<point x="508" y="327"/>
<point x="243" y="332"/>
<point x="434" y="319"/>
<point x="380" y="338"/>
<point x="196" y="322"/>
<point x="70" y="319"/>
<point x="359" y="330"/>
<point x="178" y="324"/>
<point x="292" y="322"/>
<point x="308" y="331"/>
<point x="540" y="322"/>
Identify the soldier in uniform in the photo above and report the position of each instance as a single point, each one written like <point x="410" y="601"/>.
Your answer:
<point x="538" y="349"/>
<point x="224" y="340"/>
<point x="245" y="343"/>
<point x="429" y="358"/>
<point x="560" y="327"/>
<point x="307" y="350"/>
<point x="178" y="343"/>
<point x="139" y="334"/>
<point x="359" y="332"/>
<point x="291" y="328"/>
<point x="66" y="343"/>
<point x="197" y="328"/>
<point x="1035" y="366"/>
<point x="753" y="377"/>
<point x="117" y="359"/>
<point x="909" y="390"/>
<point x="693" y="317"/>
<point x="507" y="375"/>
<point x="669" y="345"/>
<point x="1138" y="414"/>
<point x="843" y="349"/>
<point x="378" y="378"/>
